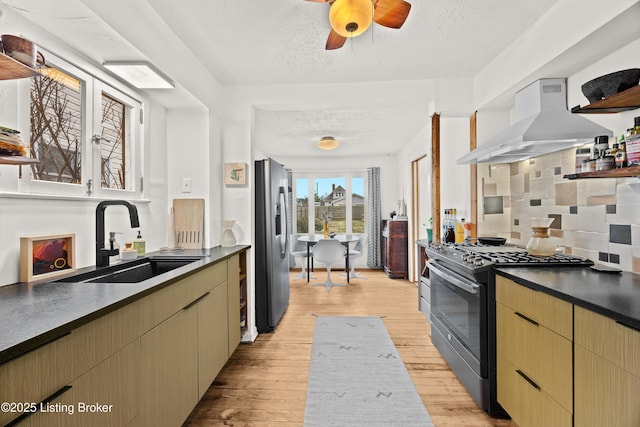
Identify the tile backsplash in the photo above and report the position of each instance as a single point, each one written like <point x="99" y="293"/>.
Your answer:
<point x="596" y="218"/>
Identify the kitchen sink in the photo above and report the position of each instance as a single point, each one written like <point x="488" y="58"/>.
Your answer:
<point x="132" y="272"/>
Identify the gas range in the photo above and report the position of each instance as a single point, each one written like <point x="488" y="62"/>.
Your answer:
<point x="473" y="257"/>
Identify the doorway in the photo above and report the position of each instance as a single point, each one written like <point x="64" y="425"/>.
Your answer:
<point x="421" y="205"/>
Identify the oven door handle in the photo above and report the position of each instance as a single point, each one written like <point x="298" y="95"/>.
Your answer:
<point x="469" y="287"/>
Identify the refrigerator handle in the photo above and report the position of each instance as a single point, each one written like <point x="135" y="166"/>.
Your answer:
<point x="284" y="221"/>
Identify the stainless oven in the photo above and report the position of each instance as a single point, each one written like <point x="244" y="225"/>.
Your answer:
<point x="463" y="307"/>
<point x="458" y="327"/>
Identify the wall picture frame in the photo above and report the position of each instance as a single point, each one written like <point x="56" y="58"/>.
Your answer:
<point x="235" y="173"/>
<point x="47" y="256"/>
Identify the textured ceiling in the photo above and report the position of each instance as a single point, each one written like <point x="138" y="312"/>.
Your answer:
<point x="263" y="42"/>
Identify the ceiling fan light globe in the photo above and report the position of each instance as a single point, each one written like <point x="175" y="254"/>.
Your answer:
<point x="350" y="18"/>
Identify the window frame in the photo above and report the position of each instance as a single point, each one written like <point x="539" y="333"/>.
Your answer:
<point x="311" y="176"/>
<point x="91" y="105"/>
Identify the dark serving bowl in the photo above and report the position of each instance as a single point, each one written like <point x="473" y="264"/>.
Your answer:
<point x="610" y="84"/>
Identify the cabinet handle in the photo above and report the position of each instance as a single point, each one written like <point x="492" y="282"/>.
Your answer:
<point x="35" y="348"/>
<point x="527" y="379"/>
<point x="192" y="303"/>
<point x="533" y="322"/>
<point x="627" y="326"/>
<point x="49" y="399"/>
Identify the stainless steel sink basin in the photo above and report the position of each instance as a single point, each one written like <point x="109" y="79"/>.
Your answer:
<point x="134" y="271"/>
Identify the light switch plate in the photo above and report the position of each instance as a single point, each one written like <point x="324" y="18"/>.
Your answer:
<point x="186" y="185"/>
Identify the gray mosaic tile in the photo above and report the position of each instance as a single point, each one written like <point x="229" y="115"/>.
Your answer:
<point x="620" y="233"/>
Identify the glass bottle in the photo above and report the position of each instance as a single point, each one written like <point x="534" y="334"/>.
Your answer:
<point x="228" y="239"/>
<point x="540" y="244"/>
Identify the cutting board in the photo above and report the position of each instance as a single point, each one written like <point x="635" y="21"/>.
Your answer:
<point x="188" y="219"/>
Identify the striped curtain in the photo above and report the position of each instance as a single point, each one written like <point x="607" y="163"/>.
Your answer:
<point x="374" y="217"/>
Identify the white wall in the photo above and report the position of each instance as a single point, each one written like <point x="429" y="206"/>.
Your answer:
<point x="419" y="146"/>
<point x="32" y="215"/>
<point x="454" y="178"/>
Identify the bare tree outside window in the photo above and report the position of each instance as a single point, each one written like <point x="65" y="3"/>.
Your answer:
<point x="56" y="128"/>
<point x="112" y="146"/>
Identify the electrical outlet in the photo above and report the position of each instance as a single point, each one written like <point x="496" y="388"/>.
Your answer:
<point x="186" y="185"/>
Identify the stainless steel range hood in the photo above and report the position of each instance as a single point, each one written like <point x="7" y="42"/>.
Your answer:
<point x="543" y="126"/>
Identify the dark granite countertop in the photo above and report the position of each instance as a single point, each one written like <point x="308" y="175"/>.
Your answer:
<point x="615" y="295"/>
<point x="34" y="314"/>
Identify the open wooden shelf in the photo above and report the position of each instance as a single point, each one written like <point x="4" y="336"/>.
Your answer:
<point x="17" y="160"/>
<point x="12" y="69"/>
<point x="622" y="101"/>
<point x="632" y="171"/>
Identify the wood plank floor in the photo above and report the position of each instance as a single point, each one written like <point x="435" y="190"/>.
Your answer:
<point x="265" y="382"/>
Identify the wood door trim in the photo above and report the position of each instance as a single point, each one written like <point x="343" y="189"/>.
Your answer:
<point x="473" y="175"/>
<point x="435" y="175"/>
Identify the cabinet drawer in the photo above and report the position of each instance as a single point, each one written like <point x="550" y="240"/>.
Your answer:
<point x="551" y="312"/>
<point x="527" y="405"/>
<point x="541" y="354"/>
<point x="612" y="341"/>
<point x="162" y="304"/>
<point x="425" y="290"/>
<point x="35" y="375"/>
<point x="96" y="341"/>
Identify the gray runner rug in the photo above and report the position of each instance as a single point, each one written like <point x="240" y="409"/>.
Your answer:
<point x="357" y="378"/>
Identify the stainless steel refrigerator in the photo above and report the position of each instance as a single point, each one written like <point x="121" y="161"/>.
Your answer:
<point x="271" y="243"/>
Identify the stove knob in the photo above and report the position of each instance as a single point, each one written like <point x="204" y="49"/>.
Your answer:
<point x="478" y="261"/>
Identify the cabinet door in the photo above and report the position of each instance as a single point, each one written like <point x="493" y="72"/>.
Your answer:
<point x="213" y="338"/>
<point x="170" y="370"/>
<point x="606" y="395"/>
<point x="233" y="279"/>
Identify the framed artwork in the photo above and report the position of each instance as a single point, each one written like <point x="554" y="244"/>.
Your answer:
<point x="45" y="257"/>
<point x="235" y="173"/>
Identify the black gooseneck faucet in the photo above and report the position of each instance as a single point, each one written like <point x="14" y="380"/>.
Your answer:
<point x="102" y="254"/>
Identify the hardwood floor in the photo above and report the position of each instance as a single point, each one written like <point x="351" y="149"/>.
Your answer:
<point x="265" y="382"/>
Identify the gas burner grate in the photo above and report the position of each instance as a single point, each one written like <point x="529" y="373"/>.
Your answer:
<point x="524" y="259"/>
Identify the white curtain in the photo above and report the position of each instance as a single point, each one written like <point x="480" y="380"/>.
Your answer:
<point x="374" y="217"/>
<point x="292" y="211"/>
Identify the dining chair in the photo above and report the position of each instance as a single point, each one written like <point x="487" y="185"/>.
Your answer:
<point x="299" y="250"/>
<point x="328" y="252"/>
<point x="357" y="252"/>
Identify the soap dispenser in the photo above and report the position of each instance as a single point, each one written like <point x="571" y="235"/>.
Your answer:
<point x="113" y="244"/>
<point x="139" y="244"/>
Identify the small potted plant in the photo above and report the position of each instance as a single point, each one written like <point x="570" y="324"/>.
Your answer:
<point x="429" y="230"/>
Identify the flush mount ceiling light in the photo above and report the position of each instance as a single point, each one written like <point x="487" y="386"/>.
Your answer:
<point x="140" y="74"/>
<point x="327" y="143"/>
<point x="350" y="18"/>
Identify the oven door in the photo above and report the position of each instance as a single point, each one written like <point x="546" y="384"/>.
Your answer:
<point x="458" y="311"/>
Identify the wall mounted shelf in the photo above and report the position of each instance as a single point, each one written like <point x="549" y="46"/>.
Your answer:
<point x="12" y="69"/>
<point x="17" y="160"/>
<point x="632" y="171"/>
<point x="623" y="101"/>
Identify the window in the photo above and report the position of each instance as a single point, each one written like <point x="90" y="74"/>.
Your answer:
<point x="338" y="198"/>
<point x="302" y="206"/>
<point x="84" y="132"/>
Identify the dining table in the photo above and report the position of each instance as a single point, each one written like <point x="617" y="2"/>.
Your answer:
<point x="345" y="239"/>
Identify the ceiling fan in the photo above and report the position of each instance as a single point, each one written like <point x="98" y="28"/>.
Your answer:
<point x="350" y="18"/>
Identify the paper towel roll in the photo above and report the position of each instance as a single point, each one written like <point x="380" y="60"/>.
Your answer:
<point x="171" y="230"/>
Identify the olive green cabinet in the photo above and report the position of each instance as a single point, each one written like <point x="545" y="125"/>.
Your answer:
<point x="607" y="372"/>
<point x="151" y="360"/>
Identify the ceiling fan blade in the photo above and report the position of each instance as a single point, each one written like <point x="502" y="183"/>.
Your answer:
<point x="391" y="13"/>
<point x="335" y="41"/>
